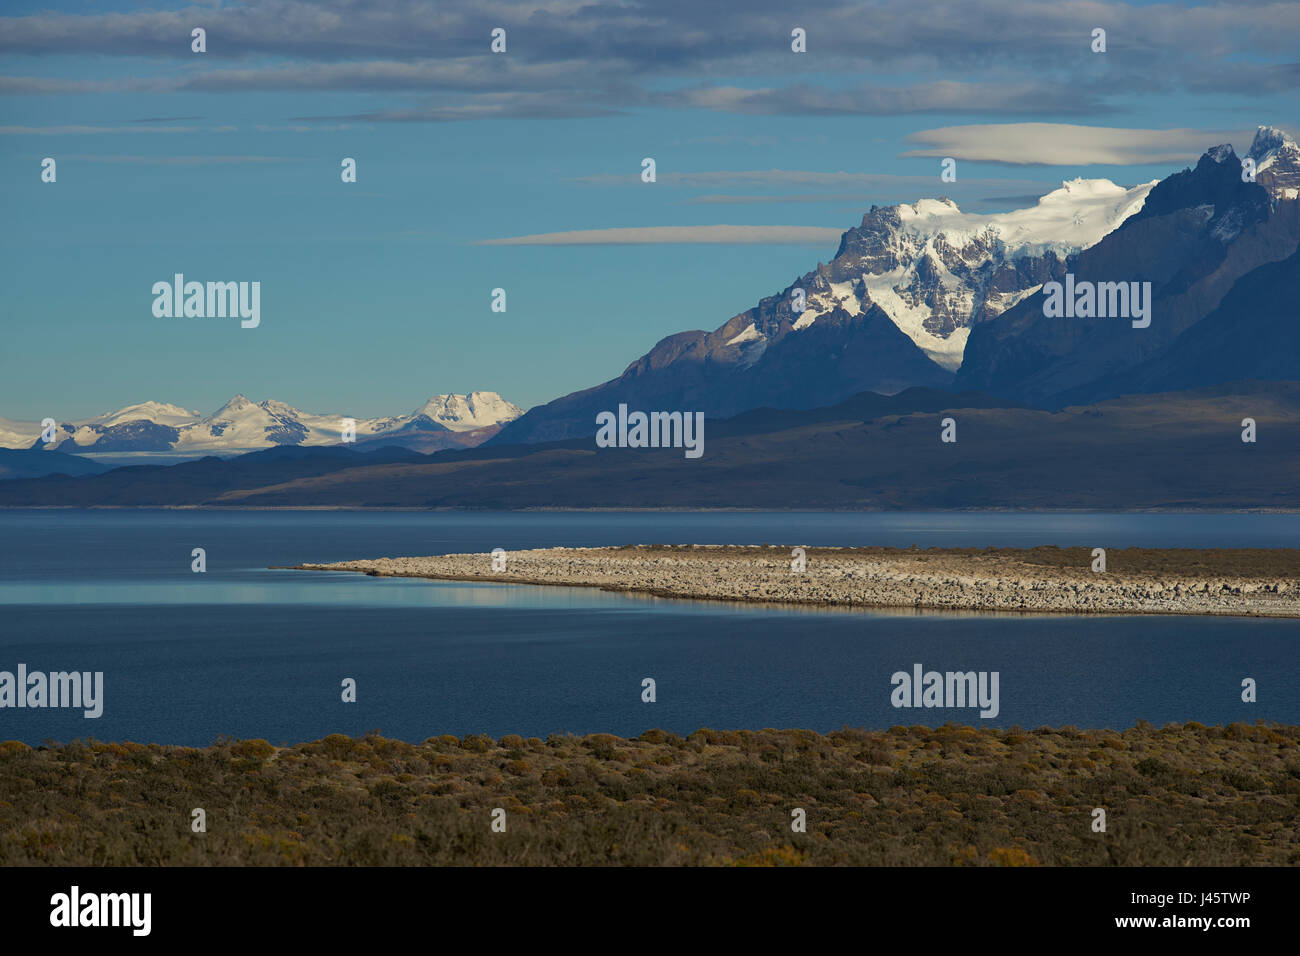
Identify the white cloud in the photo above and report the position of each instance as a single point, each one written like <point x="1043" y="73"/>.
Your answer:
<point x="728" y="200"/>
<point x="161" y="160"/>
<point x="946" y="96"/>
<point x="1064" y="144"/>
<point x="736" y="178"/>
<point x="85" y="130"/>
<point x="658" y="235"/>
<point x="299" y="128"/>
<point x="95" y="130"/>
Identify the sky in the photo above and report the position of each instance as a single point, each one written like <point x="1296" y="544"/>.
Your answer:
<point x="522" y="171"/>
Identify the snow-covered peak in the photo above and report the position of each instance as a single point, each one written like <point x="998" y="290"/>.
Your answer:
<point x="242" y="425"/>
<point x="160" y="413"/>
<point x="236" y="405"/>
<point x="927" y="209"/>
<point x="1269" y="142"/>
<point x="282" y="409"/>
<point x="1066" y="220"/>
<point x="935" y="270"/>
<point x="467" y="412"/>
<point x="1277" y="163"/>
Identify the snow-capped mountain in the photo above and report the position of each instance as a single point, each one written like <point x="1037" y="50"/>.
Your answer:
<point x="462" y="413"/>
<point x="1277" y="163"/>
<point x="892" y="309"/>
<point x="244" y="425"/>
<point x="1220" y="254"/>
<point x="936" y="271"/>
<point x="924" y="294"/>
<point x="160" y="413"/>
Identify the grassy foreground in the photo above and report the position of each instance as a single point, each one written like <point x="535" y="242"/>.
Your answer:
<point x="1177" y="795"/>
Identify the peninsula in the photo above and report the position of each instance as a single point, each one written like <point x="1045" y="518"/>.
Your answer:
<point x="1235" y="582"/>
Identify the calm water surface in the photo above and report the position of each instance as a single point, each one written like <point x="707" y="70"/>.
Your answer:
<point x="246" y="651"/>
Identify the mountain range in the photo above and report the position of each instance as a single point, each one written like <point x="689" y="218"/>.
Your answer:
<point x="1220" y="254"/>
<point x="923" y="311"/>
<point x="925" y="295"/>
<point x="241" y="425"/>
<point x="1172" y="450"/>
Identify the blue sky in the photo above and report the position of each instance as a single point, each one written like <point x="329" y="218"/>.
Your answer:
<point x="376" y="295"/>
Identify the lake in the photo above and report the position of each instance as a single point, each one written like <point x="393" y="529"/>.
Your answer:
<point x="245" y="651"/>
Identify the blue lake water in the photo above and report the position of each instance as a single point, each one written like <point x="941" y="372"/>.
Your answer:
<point x="251" y="652"/>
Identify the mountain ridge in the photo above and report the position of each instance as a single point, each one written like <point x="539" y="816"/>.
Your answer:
<point x="924" y="295"/>
<point x="1179" y="450"/>
<point x="1201" y="231"/>
<point x="241" y="424"/>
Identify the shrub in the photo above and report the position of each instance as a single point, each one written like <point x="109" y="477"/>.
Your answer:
<point x="1152" y="766"/>
<point x="1011" y="856"/>
<point x="252" y="748"/>
<point x="774" y="856"/>
<point x="338" y="745"/>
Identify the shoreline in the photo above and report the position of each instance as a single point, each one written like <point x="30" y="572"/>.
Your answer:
<point x="1245" y="582"/>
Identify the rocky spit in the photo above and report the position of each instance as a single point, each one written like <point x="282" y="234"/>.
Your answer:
<point x="1241" y="582"/>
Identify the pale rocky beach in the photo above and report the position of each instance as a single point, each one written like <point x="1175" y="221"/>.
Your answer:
<point x="1234" y="582"/>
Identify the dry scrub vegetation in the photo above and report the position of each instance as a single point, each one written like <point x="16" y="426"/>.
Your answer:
<point x="1177" y="795"/>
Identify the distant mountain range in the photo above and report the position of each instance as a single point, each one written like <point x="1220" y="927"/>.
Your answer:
<point x="926" y="295"/>
<point x="241" y="425"/>
<point x="1173" y="450"/>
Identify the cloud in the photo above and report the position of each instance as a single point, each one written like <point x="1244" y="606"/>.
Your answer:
<point x="1062" y="144"/>
<point x="747" y="178"/>
<point x="669" y="235"/>
<point x="727" y="200"/>
<point x="483" y="106"/>
<point x="459" y="74"/>
<point x="300" y="128"/>
<point x="159" y="160"/>
<point x="869" y="100"/>
<point x="41" y="86"/>
<point x="95" y="130"/>
<point x="1009" y="56"/>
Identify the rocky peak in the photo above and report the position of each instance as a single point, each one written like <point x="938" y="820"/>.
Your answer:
<point x="1277" y="163"/>
<point x="1215" y="189"/>
<point x="1219" y="154"/>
